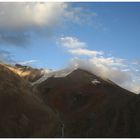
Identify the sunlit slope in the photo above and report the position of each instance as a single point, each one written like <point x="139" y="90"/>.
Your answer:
<point x="28" y="73"/>
<point x="22" y="114"/>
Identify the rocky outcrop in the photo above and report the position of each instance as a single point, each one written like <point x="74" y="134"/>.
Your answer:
<point x="28" y="73"/>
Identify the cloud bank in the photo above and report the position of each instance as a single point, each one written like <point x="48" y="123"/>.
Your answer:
<point x="110" y="70"/>
<point x="19" y="20"/>
<point x="115" y="69"/>
<point x="23" y="16"/>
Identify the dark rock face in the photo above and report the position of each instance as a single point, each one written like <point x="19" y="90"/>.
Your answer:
<point x="92" y="110"/>
<point x="22" y="114"/>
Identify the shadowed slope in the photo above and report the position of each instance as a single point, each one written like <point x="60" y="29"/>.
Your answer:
<point x="87" y="106"/>
<point x="102" y="109"/>
<point x="22" y="114"/>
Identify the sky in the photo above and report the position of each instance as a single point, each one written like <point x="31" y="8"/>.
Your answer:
<point x="103" y="37"/>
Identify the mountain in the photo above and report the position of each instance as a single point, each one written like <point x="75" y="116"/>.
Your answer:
<point x="26" y="72"/>
<point x="22" y="113"/>
<point x="67" y="103"/>
<point x="90" y="106"/>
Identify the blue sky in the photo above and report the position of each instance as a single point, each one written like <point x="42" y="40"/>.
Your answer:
<point x="115" y="30"/>
<point x="52" y="35"/>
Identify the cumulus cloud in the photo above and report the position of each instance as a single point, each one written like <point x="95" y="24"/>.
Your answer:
<point x="71" y="42"/>
<point x="18" y="18"/>
<point x="77" y="47"/>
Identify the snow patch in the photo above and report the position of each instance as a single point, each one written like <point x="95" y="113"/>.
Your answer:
<point x="47" y="74"/>
<point x="95" y="82"/>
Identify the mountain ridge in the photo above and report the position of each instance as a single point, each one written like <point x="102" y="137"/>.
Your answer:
<point x="81" y="105"/>
<point x="79" y="102"/>
<point x="23" y="114"/>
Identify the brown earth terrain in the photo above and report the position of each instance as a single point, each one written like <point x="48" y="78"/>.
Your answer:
<point x="22" y="114"/>
<point x="92" y="110"/>
<point x="79" y="105"/>
<point x="28" y="73"/>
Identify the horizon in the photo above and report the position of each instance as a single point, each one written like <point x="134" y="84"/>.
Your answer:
<point x="100" y="36"/>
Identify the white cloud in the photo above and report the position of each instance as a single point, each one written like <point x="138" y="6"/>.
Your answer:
<point x="84" y="52"/>
<point x="116" y="69"/>
<point x="104" y="67"/>
<point x="25" y="15"/>
<point x="77" y="47"/>
<point x="21" y="15"/>
<point x="71" y="43"/>
<point x="29" y="62"/>
<point x="80" y="15"/>
<point x="16" y="18"/>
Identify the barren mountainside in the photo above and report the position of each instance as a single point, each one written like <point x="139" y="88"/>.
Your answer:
<point x="90" y="109"/>
<point x="22" y="114"/>
<point x="28" y="73"/>
<point x="79" y="104"/>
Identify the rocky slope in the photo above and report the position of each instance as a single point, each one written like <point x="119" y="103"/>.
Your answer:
<point x="22" y="114"/>
<point x="83" y="104"/>
<point x="28" y="73"/>
<point x="90" y="106"/>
